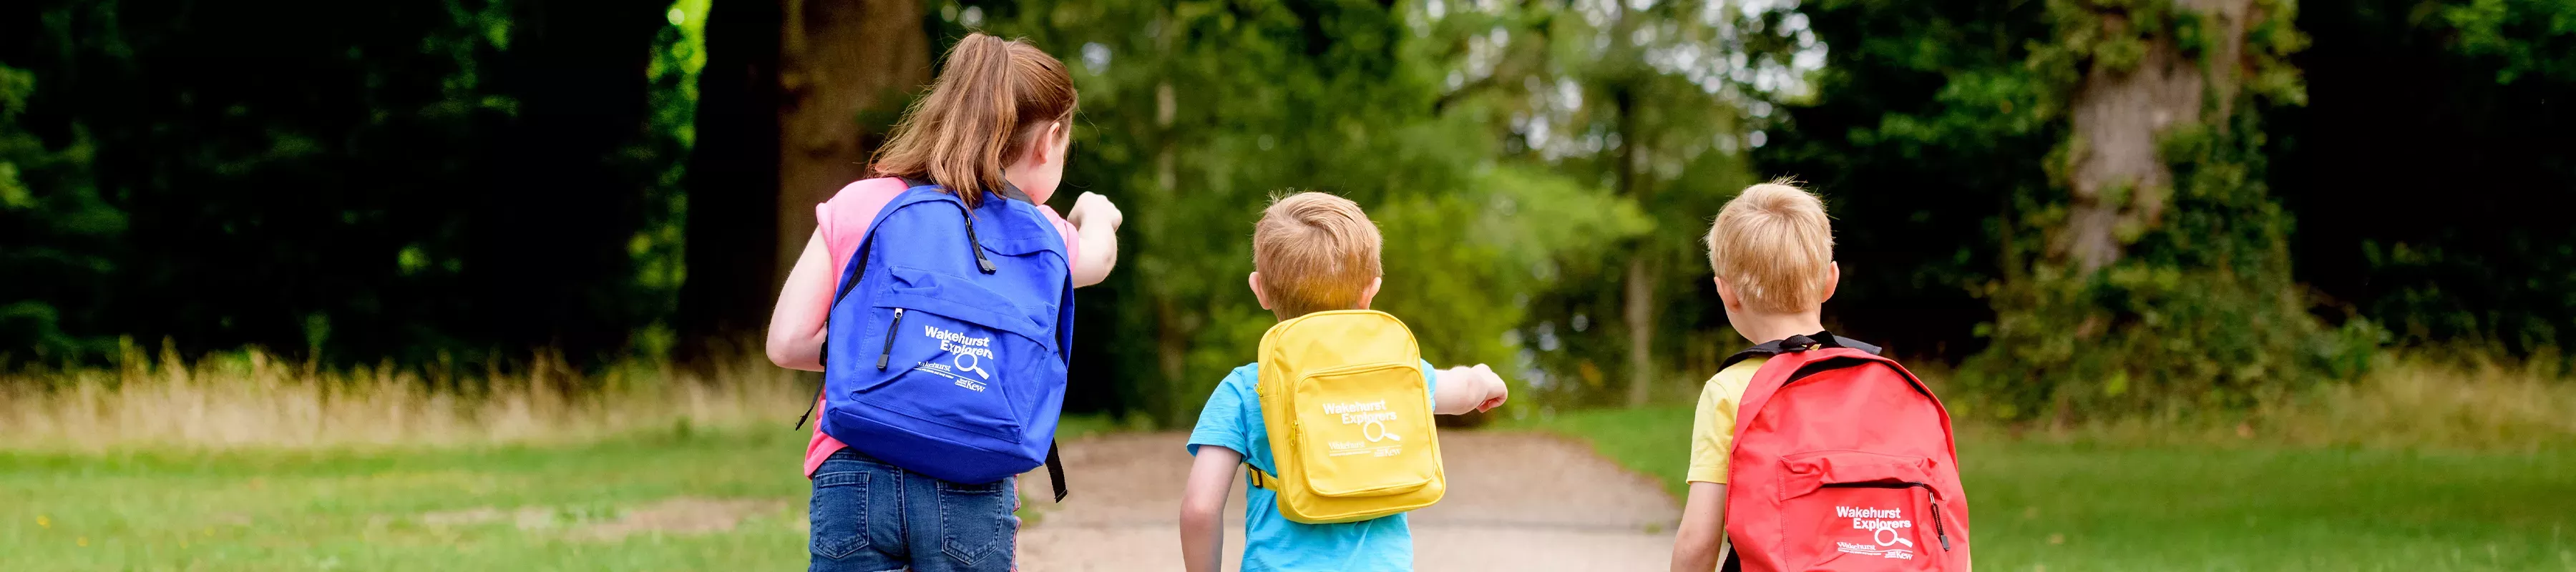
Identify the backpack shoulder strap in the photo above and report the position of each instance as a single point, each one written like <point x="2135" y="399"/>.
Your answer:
<point x="1798" y="343"/>
<point x="1798" y="357"/>
<point x="1008" y="190"/>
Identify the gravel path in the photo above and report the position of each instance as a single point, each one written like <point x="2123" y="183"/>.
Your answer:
<point x="1509" y="493"/>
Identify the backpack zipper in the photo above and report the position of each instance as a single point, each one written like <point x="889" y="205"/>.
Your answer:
<point x="889" y="346"/>
<point x="972" y="244"/>
<point x="1939" y="531"/>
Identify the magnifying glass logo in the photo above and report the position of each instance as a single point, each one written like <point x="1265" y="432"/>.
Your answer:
<point x="968" y="362"/>
<point x="1380" y="433"/>
<point x="1887" y="535"/>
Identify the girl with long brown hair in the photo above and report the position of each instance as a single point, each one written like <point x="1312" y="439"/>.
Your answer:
<point x="998" y="119"/>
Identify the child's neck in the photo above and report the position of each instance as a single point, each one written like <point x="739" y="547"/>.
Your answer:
<point x="1761" y="327"/>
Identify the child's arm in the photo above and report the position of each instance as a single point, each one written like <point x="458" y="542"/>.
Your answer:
<point x="1696" y="542"/>
<point x="1203" y="507"/>
<point x="796" y="323"/>
<point x="1463" y="390"/>
<point x="1095" y="223"/>
<point x="1702" y="535"/>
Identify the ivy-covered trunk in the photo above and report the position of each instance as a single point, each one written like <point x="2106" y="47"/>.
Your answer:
<point x="2138" y="88"/>
<point x="2158" y="275"/>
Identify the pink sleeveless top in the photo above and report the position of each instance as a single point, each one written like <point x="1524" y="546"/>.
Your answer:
<point x="844" y="223"/>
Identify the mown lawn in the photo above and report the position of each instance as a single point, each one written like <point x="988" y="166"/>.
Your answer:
<point x="674" y="500"/>
<point x="2094" y="506"/>
<point x="496" y="509"/>
<point x="661" y="502"/>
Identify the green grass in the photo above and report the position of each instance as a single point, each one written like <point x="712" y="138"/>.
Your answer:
<point x="2079" y="506"/>
<point x="401" y="510"/>
<point x="2101" y="506"/>
<point x="364" y="511"/>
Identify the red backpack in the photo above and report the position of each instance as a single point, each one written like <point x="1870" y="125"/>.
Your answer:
<point x="1843" y="461"/>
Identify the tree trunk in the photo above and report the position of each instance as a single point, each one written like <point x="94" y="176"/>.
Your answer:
<point x="1638" y="299"/>
<point x="1640" y="316"/>
<point x="1173" y="331"/>
<point x="837" y="58"/>
<point x="548" y="240"/>
<point x="733" y="185"/>
<point x="2121" y="185"/>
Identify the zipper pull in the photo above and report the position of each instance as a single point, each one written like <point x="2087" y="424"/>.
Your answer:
<point x="1939" y="530"/>
<point x="889" y="345"/>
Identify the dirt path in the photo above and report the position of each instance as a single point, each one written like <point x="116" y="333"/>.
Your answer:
<point x="1509" y="494"/>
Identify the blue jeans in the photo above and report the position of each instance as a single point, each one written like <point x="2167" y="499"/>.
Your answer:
<point x="870" y="516"/>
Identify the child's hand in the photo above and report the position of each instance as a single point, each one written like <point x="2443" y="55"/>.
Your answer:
<point x="1496" y="392"/>
<point x="1468" y="389"/>
<point x="1091" y="207"/>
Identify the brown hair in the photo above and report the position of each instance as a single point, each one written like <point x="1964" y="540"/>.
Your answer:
<point x="1773" y="245"/>
<point x="991" y="100"/>
<point x="1315" y="252"/>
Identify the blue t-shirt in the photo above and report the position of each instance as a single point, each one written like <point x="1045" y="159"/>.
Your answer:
<point x="1232" y="420"/>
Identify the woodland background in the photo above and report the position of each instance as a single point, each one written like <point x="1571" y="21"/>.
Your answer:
<point x="2091" y="209"/>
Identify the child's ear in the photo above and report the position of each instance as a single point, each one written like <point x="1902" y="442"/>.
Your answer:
<point x="1726" y="294"/>
<point x="1257" y="294"/>
<point x="1833" y="279"/>
<point x="1371" y="292"/>
<point x="1058" y="139"/>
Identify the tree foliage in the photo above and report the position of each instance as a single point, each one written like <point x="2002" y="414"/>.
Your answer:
<point x="1196" y="113"/>
<point x="2351" y="121"/>
<point x="345" y="180"/>
<point x="444" y="183"/>
<point x="2424" y="167"/>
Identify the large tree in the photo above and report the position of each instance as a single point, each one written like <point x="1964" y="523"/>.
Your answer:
<point x="733" y="207"/>
<point x="837" y="59"/>
<point x="2122" y="144"/>
<point x="799" y="93"/>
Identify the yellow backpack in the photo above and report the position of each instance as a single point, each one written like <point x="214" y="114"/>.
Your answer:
<point x="1349" y="416"/>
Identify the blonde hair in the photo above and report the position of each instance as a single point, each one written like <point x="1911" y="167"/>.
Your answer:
<point x="1315" y="252"/>
<point x="1774" y="246"/>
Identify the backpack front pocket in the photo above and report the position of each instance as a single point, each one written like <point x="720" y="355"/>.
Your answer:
<point x="1855" y="510"/>
<point x="1363" y="430"/>
<point x="956" y="354"/>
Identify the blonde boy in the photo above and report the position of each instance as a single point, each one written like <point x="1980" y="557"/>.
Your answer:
<point x="1311" y="252"/>
<point x="1773" y="251"/>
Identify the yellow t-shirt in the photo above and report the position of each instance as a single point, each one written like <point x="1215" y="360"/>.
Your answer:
<point x="1713" y="422"/>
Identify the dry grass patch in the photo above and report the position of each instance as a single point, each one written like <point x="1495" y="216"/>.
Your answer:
<point x="2404" y="403"/>
<point x="527" y="519"/>
<point x="251" y="400"/>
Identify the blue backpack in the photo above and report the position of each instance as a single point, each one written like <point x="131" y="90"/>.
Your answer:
<point x="950" y="361"/>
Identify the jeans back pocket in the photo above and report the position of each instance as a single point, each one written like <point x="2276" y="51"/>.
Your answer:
<point x="840" y="514"/>
<point x="976" y="527"/>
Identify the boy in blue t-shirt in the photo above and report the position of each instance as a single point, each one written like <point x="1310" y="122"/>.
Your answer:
<point x="1311" y="252"/>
